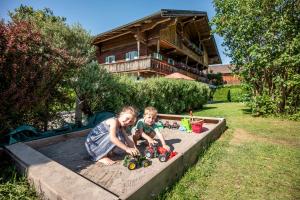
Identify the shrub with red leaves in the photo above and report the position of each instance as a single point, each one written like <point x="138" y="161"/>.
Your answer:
<point x="30" y="72"/>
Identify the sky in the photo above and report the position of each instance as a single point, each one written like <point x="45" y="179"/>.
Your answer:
<point x="98" y="16"/>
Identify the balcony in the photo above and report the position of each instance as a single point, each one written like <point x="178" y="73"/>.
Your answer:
<point x="182" y="44"/>
<point x="150" y="64"/>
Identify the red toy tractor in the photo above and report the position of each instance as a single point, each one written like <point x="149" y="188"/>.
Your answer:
<point x="160" y="152"/>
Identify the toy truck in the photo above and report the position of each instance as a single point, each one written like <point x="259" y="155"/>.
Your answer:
<point x="134" y="162"/>
<point x="175" y="125"/>
<point x="157" y="152"/>
<point x="168" y="125"/>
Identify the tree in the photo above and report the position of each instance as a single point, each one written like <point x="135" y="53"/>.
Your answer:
<point x="40" y="55"/>
<point x="263" y="37"/>
<point x="30" y="72"/>
<point x="74" y="39"/>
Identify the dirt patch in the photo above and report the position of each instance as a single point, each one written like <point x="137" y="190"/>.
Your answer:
<point x="241" y="136"/>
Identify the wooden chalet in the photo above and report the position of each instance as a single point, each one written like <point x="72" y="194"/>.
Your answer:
<point x="165" y="42"/>
<point x="227" y="75"/>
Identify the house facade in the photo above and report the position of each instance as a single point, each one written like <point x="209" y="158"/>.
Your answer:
<point x="227" y="75"/>
<point x="165" y="42"/>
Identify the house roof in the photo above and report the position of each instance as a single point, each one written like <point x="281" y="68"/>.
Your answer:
<point x="223" y="69"/>
<point x="199" y="18"/>
<point x="177" y="75"/>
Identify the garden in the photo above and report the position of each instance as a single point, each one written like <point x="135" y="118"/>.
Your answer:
<point x="257" y="160"/>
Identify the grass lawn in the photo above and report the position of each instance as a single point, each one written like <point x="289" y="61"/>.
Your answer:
<point x="256" y="158"/>
<point x="12" y="185"/>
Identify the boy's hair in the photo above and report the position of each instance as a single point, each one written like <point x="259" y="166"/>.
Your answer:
<point x="129" y="109"/>
<point x="150" y="110"/>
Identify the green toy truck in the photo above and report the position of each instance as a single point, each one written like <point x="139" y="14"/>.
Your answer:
<point x="134" y="162"/>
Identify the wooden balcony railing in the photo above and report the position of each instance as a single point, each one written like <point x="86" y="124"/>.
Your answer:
<point x="151" y="64"/>
<point x="127" y="66"/>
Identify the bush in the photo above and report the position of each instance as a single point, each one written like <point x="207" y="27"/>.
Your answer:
<point x="228" y="96"/>
<point x="39" y="55"/>
<point x="97" y="89"/>
<point x="32" y="76"/>
<point x="173" y="96"/>
<point x="103" y="91"/>
<point x="262" y="105"/>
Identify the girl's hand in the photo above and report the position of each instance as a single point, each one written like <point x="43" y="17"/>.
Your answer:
<point x="152" y="142"/>
<point x="132" y="151"/>
<point x="166" y="147"/>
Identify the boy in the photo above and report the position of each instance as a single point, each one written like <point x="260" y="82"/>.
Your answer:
<point x="147" y="128"/>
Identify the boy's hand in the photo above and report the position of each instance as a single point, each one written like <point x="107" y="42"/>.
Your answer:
<point x="166" y="147"/>
<point x="132" y="151"/>
<point x="152" y="142"/>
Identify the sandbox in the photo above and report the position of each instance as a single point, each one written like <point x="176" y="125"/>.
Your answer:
<point x="59" y="167"/>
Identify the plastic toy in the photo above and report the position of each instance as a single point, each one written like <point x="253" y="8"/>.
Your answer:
<point x="167" y="124"/>
<point x="159" y="152"/>
<point x="134" y="162"/>
<point x="175" y="125"/>
<point x="197" y="126"/>
<point x="186" y="123"/>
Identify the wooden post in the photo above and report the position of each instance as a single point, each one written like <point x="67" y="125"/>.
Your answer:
<point x="158" y="47"/>
<point x="78" y="113"/>
<point x="139" y="38"/>
<point x="138" y="76"/>
<point x="138" y="47"/>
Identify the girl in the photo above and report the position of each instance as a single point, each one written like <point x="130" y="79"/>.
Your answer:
<point x="109" y="135"/>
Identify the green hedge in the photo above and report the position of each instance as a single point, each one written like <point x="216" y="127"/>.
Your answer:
<point x="172" y="96"/>
<point x="232" y="93"/>
<point x="103" y="91"/>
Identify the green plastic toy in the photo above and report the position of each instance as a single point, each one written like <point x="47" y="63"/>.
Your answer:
<point x="134" y="162"/>
<point x="186" y="123"/>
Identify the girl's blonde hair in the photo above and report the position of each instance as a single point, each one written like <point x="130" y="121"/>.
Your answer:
<point x="150" y="111"/>
<point x="130" y="110"/>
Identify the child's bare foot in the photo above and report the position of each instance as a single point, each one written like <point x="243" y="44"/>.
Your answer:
<point x="106" y="161"/>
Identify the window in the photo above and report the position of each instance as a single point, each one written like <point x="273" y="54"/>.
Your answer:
<point x="131" y="55"/>
<point x="171" y="61"/>
<point x="110" y="59"/>
<point x="157" y="56"/>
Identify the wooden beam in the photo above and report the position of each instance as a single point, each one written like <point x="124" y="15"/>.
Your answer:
<point x="116" y="36"/>
<point x="118" y="46"/>
<point x="170" y="51"/>
<point x="151" y="26"/>
<point x="187" y="20"/>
